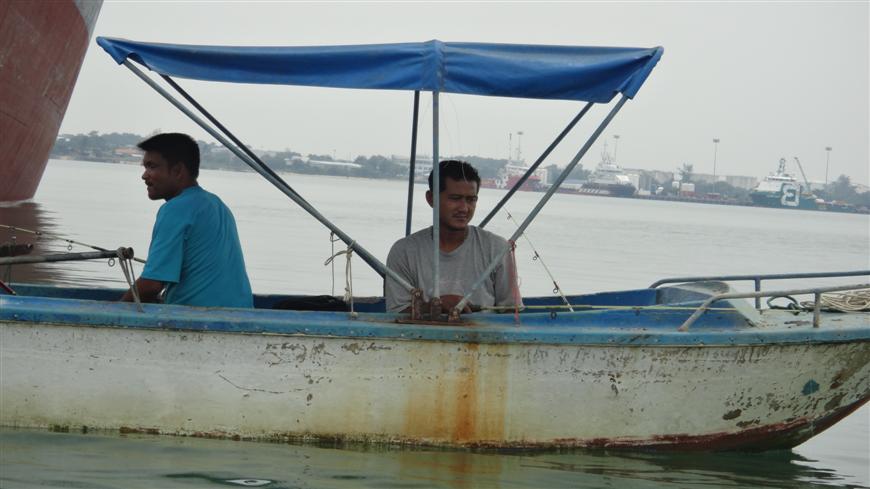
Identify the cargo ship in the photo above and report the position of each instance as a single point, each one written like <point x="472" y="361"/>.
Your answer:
<point x="42" y="46"/>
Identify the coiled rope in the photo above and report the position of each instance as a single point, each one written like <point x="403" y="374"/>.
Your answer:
<point x="849" y="301"/>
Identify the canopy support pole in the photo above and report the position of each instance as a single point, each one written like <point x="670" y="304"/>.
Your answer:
<point x="276" y="181"/>
<point x="412" y="161"/>
<point x="435" y="300"/>
<point x="454" y="313"/>
<point x="227" y="132"/>
<point x="537" y="163"/>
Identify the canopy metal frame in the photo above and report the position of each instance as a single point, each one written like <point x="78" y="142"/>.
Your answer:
<point x="217" y="130"/>
<point x="249" y="158"/>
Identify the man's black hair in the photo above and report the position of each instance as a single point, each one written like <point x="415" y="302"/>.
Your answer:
<point x="175" y="148"/>
<point x="455" y="170"/>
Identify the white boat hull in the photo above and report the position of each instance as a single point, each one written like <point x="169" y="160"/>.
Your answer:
<point x="279" y="387"/>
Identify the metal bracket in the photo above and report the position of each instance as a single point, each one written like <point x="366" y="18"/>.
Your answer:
<point x="416" y="304"/>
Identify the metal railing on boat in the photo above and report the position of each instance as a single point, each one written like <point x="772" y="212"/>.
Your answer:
<point x="817" y="293"/>
<point x="756" y="278"/>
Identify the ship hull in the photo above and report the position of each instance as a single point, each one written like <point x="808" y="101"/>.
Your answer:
<point x="42" y="46"/>
<point x="614" y="190"/>
<point x="782" y="200"/>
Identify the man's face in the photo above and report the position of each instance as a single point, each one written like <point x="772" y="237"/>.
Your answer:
<point x="162" y="179"/>
<point x="457" y="203"/>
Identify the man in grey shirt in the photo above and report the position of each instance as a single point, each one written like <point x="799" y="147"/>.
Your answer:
<point x="466" y="251"/>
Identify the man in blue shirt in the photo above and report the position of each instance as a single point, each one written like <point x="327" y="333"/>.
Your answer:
<point x="195" y="254"/>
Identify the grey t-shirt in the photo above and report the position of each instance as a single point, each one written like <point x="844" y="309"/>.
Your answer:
<point x="411" y="257"/>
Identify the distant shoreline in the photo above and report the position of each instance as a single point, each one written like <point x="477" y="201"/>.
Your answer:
<point x="668" y="198"/>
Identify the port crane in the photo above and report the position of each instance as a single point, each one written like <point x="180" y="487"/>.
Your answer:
<point x="801" y="168"/>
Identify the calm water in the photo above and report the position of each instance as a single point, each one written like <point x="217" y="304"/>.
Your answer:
<point x="589" y="243"/>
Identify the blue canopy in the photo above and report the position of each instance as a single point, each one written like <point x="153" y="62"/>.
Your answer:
<point x="591" y="74"/>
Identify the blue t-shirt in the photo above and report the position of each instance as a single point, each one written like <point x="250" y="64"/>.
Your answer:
<point x="195" y="250"/>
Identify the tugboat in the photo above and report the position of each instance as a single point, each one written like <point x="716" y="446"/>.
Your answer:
<point x="608" y="179"/>
<point x="782" y="189"/>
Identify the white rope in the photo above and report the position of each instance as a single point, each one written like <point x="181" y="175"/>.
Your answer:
<point x="348" y="275"/>
<point x="850" y="301"/>
<point x="332" y="241"/>
<point x="130" y="275"/>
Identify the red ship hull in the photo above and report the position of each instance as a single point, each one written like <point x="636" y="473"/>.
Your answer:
<point x="42" y="46"/>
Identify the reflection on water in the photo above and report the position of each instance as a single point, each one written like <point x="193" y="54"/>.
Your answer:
<point x="33" y="225"/>
<point x="44" y="459"/>
<point x="28" y="216"/>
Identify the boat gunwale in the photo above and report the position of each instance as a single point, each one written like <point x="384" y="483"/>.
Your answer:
<point x="651" y="327"/>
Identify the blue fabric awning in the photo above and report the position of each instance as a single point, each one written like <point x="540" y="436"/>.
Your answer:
<point x="591" y="74"/>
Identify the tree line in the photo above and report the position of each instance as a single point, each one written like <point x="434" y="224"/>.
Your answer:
<point x="119" y="147"/>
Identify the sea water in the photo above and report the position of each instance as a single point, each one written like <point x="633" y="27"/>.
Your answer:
<point x="587" y="243"/>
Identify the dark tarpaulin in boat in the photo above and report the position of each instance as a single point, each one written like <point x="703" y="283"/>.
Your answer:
<point x="590" y="74"/>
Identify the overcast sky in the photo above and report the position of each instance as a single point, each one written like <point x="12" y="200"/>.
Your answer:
<point x="769" y="80"/>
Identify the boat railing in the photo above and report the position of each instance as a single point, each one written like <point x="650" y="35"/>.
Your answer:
<point x="756" y="278"/>
<point x="817" y="302"/>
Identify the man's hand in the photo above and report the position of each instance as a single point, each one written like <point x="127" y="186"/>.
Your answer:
<point x="149" y="290"/>
<point x="448" y="302"/>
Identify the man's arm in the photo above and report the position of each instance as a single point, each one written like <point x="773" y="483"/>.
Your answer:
<point x="505" y="283"/>
<point x="396" y="297"/>
<point x="149" y="290"/>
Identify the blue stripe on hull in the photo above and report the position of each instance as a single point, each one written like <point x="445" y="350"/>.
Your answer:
<point x="589" y="327"/>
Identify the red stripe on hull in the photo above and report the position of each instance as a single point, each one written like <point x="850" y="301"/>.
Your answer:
<point x="42" y="45"/>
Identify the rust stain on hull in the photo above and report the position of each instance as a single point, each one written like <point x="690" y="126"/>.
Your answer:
<point x="467" y="403"/>
<point x="465" y="423"/>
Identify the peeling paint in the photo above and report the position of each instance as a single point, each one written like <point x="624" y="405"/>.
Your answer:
<point x="746" y="424"/>
<point x="834" y="403"/>
<point x="732" y="414"/>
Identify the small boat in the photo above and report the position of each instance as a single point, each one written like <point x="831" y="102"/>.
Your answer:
<point x="686" y="363"/>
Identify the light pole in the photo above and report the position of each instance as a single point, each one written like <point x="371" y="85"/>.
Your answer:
<point x="510" y="146"/>
<point x="827" y="162"/>
<point x="520" y="146"/>
<point x="715" y="151"/>
<point x="615" y="145"/>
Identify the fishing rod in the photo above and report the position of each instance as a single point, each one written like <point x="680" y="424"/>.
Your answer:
<point x="69" y="241"/>
<point x="537" y="257"/>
